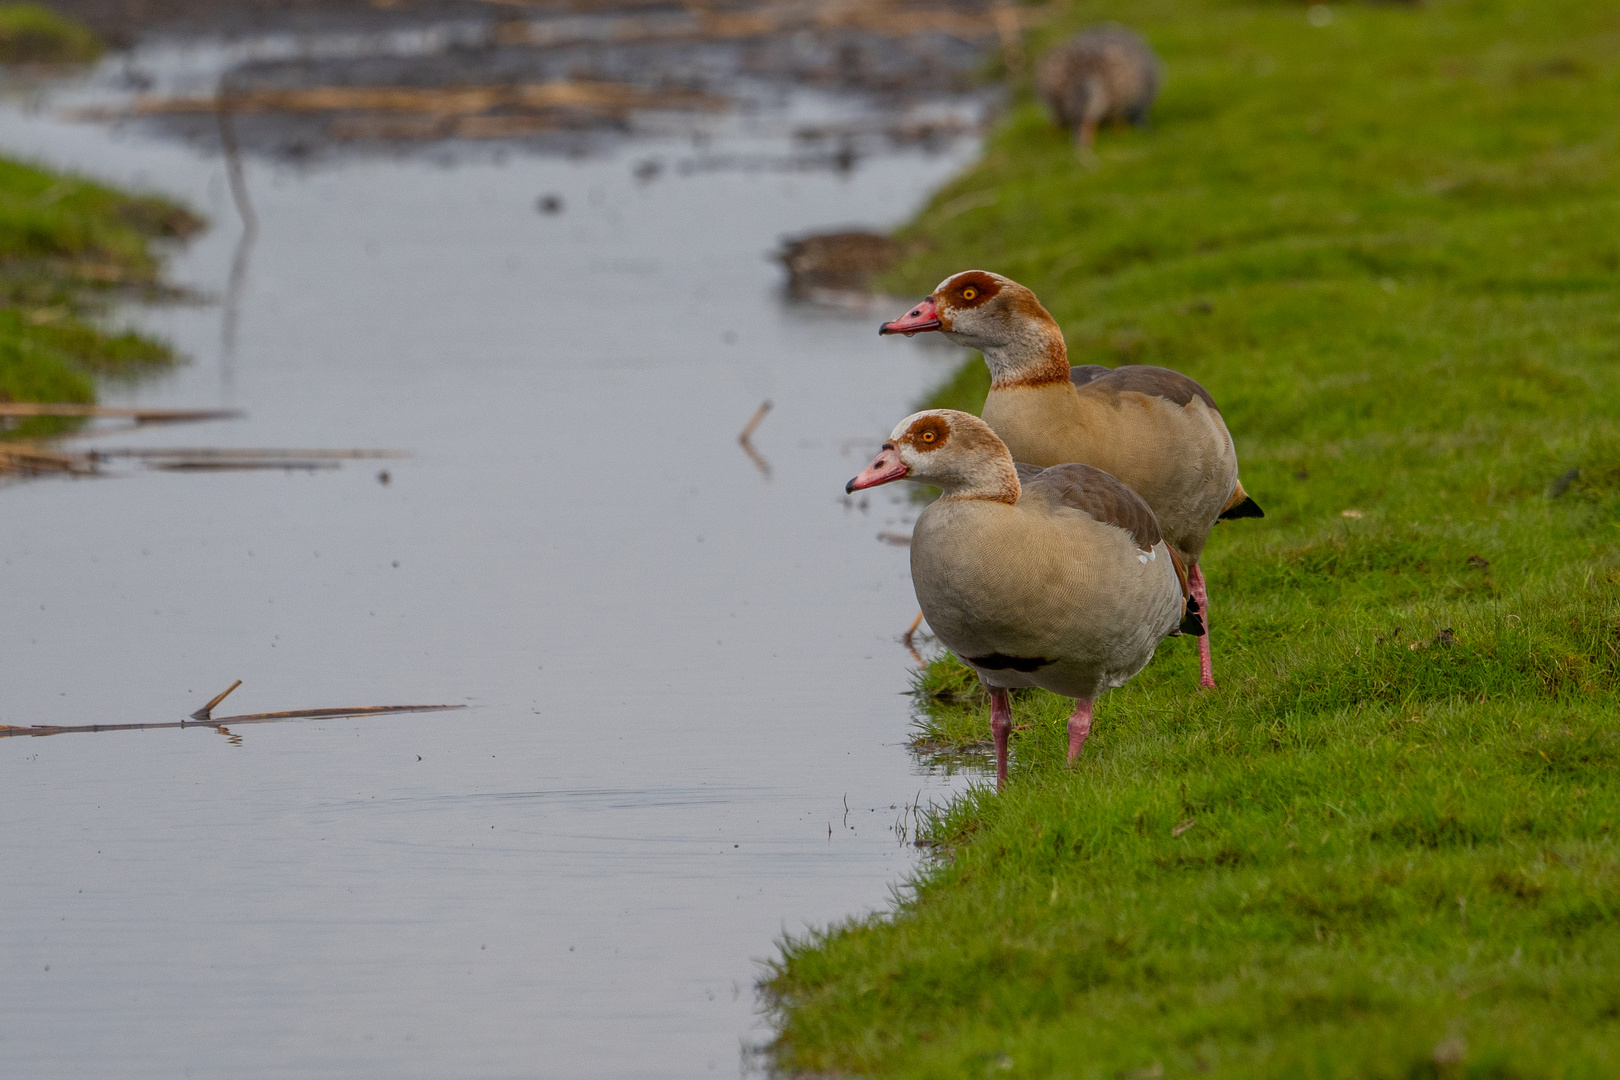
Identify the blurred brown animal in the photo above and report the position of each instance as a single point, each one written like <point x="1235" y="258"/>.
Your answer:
<point x="1106" y="72"/>
<point x="840" y="262"/>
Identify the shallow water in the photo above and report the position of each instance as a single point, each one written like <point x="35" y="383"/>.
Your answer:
<point x="681" y="670"/>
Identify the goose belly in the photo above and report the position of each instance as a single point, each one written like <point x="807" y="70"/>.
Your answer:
<point x="1075" y="618"/>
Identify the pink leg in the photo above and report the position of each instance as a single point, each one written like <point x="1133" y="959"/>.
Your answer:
<point x="1195" y="582"/>
<point x="1079" y="727"/>
<point x="1000" y="725"/>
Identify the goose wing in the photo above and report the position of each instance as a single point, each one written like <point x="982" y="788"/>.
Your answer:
<point x="1096" y="494"/>
<point x="1140" y="379"/>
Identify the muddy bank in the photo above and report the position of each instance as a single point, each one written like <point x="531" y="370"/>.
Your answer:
<point x="123" y="22"/>
<point x="305" y="80"/>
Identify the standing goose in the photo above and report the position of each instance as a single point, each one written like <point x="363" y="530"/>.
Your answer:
<point x="1105" y="73"/>
<point x="1154" y="429"/>
<point x="1054" y="577"/>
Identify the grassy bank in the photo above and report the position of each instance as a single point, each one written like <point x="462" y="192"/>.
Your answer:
<point x="1385" y="846"/>
<point x="67" y="247"/>
<point x="34" y="34"/>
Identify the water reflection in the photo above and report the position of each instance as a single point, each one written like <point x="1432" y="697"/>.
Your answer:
<point x="237" y="179"/>
<point x="746" y="439"/>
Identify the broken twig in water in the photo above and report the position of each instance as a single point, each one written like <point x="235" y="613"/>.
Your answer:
<point x="210" y="464"/>
<point x="32" y="458"/>
<point x="204" y="717"/>
<point x="245" y="452"/>
<point x="745" y="439"/>
<point x="754" y="421"/>
<point x="215" y="459"/>
<point x="207" y="711"/>
<point x="24" y="458"/>
<point x="8" y="731"/>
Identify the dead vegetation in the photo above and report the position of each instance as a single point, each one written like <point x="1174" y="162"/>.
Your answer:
<point x="409" y="112"/>
<point x="22" y="457"/>
<point x="699" y="22"/>
<point x="513" y="70"/>
<point x="35" y="459"/>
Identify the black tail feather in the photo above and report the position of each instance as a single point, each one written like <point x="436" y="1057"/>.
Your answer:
<point x="1247" y="508"/>
<point x="1191" y="621"/>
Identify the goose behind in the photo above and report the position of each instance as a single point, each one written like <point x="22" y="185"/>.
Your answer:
<point x="1106" y="72"/>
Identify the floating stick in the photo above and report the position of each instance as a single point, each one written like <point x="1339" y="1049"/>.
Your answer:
<point x="745" y="439"/>
<point x="753" y="421"/>
<point x="8" y="730"/>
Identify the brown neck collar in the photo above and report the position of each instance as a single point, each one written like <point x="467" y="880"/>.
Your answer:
<point x="1035" y="356"/>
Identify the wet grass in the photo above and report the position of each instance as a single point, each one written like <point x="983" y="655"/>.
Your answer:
<point x="67" y="248"/>
<point x="1384" y="847"/>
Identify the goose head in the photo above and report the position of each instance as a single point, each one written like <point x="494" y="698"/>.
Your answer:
<point x="955" y="451"/>
<point x="996" y="315"/>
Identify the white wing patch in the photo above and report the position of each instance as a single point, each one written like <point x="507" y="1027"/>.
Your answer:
<point x="1144" y="556"/>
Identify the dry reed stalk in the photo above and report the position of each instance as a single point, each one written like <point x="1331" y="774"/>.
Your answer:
<point x="28" y="458"/>
<point x="57" y="408"/>
<point x="438" y="101"/>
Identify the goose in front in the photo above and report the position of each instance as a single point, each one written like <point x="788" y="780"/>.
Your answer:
<point x="1154" y="429"/>
<point x="1057" y="577"/>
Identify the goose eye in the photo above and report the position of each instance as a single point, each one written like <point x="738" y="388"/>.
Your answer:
<point x="969" y="293"/>
<point x="928" y="436"/>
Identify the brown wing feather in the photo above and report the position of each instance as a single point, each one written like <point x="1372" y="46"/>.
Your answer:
<point x="1080" y="374"/>
<point x="1097" y="494"/>
<point x="1141" y="379"/>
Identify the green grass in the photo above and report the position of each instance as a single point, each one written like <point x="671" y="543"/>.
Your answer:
<point x="34" y="34"/>
<point x="66" y="247"/>
<point x="1384" y="847"/>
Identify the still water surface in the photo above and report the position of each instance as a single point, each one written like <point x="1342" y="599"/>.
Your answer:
<point x="680" y="669"/>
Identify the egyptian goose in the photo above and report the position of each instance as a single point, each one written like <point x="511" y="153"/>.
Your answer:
<point x="1106" y="72"/>
<point x="1053" y="577"/>
<point x="1153" y="428"/>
